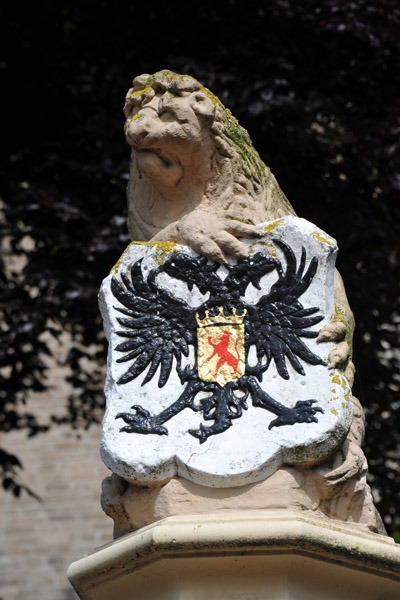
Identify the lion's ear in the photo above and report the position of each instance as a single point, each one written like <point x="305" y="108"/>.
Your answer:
<point x="202" y="105"/>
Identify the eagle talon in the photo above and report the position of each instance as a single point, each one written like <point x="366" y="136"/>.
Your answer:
<point x="141" y="422"/>
<point x="140" y="411"/>
<point x="303" y="412"/>
<point x="201" y="434"/>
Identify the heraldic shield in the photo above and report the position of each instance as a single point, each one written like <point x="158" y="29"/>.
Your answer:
<point x="214" y="371"/>
<point x="220" y="347"/>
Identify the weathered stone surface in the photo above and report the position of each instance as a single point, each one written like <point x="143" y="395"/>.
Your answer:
<point x="245" y="556"/>
<point x="290" y="418"/>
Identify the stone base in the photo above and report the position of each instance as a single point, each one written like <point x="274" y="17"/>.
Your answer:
<point x="305" y="492"/>
<point x="259" y="555"/>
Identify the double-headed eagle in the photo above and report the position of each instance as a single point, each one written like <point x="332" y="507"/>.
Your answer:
<point x="158" y="328"/>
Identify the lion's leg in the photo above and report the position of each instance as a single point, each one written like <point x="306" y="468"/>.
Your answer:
<point x="219" y="365"/>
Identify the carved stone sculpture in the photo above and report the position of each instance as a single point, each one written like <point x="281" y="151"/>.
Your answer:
<point x="196" y="180"/>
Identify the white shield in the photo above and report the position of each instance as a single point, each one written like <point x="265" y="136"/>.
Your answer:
<point x="247" y="451"/>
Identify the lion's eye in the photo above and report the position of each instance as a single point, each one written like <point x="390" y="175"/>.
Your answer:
<point x="159" y="90"/>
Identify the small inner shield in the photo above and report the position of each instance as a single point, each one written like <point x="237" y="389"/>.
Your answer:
<point x="221" y="353"/>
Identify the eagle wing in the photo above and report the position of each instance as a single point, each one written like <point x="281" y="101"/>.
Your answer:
<point x="278" y="322"/>
<point x="156" y="325"/>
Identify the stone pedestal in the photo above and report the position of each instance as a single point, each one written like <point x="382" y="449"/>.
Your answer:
<point x="253" y="555"/>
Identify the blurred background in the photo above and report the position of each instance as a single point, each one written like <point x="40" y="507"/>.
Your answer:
<point x="316" y="84"/>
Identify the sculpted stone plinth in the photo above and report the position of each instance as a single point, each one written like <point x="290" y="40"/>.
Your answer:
<point x="247" y="555"/>
<point x="196" y="180"/>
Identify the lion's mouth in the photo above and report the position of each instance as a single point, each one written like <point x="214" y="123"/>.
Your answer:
<point x="165" y="158"/>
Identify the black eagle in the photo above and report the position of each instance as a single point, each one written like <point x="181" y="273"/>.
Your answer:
<point x="158" y="328"/>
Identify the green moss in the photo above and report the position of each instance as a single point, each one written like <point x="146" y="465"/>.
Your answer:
<point x="242" y="143"/>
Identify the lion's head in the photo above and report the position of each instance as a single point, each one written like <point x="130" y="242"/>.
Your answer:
<point x="180" y="132"/>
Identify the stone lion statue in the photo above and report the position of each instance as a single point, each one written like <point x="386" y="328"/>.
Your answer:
<point x="195" y="178"/>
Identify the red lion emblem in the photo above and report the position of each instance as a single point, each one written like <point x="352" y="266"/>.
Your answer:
<point x="221" y="350"/>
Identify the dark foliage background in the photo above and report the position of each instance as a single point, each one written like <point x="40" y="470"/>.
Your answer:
<point x="317" y="86"/>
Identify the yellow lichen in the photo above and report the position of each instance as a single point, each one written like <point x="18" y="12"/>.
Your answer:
<point x="334" y="412"/>
<point x="115" y="268"/>
<point x="269" y="228"/>
<point x="341" y="316"/>
<point x="171" y="75"/>
<point x="320" y="238"/>
<point x="270" y="247"/>
<point x="148" y="89"/>
<point x="214" y="99"/>
<point x="165" y="248"/>
<point x="135" y="117"/>
<point x="339" y="380"/>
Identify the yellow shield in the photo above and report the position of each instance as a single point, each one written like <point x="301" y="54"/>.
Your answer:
<point x="221" y="353"/>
